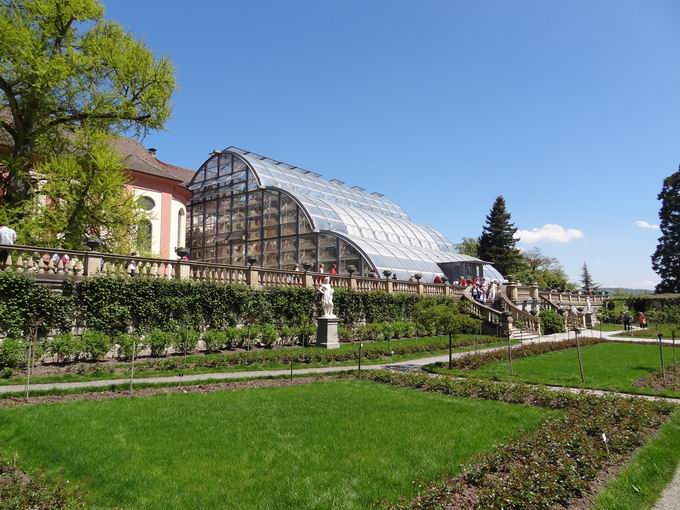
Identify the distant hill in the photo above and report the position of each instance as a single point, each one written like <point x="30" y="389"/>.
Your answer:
<point x="623" y="290"/>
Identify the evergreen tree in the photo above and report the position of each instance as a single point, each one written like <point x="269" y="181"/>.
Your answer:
<point x="497" y="242"/>
<point x="587" y="279"/>
<point x="666" y="258"/>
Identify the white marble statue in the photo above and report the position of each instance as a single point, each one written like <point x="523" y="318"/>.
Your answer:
<point x="589" y="305"/>
<point x="327" y="297"/>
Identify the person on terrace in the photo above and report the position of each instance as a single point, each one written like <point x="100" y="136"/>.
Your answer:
<point x="333" y="270"/>
<point x="8" y="237"/>
<point x="437" y="279"/>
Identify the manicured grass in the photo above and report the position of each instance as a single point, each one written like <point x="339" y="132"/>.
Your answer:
<point x="652" y="331"/>
<point x="609" y="327"/>
<point x="340" y="444"/>
<point x="183" y="363"/>
<point x="644" y="478"/>
<point x="609" y="366"/>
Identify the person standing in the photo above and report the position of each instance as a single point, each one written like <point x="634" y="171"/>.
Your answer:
<point x="7" y="237"/>
<point x="626" y="321"/>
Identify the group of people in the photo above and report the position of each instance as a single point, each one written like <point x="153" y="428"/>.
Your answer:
<point x="483" y="291"/>
<point x="628" y="319"/>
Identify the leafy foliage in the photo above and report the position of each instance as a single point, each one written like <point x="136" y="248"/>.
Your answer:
<point x="544" y="270"/>
<point x="666" y="261"/>
<point x="587" y="282"/>
<point x="551" y="322"/>
<point x="497" y="242"/>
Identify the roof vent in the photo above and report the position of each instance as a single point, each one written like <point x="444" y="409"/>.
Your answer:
<point x="337" y="181"/>
<point x="375" y="193"/>
<point x="358" y="188"/>
<point x="152" y="151"/>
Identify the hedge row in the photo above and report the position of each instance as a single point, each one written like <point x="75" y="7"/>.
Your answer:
<point x="118" y="305"/>
<point x="477" y="360"/>
<point x="545" y="468"/>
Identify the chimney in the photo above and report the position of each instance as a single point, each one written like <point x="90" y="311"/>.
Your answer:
<point x="152" y="151"/>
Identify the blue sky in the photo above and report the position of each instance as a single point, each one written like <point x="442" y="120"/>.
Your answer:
<point x="571" y="110"/>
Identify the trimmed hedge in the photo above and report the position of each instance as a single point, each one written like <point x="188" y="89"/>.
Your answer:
<point x="546" y="468"/>
<point x="119" y="304"/>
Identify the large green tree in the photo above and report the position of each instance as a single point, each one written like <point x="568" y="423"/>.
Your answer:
<point x="497" y="242"/>
<point x="64" y="68"/>
<point x="544" y="270"/>
<point x="666" y="258"/>
<point x="468" y="246"/>
<point x="587" y="281"/>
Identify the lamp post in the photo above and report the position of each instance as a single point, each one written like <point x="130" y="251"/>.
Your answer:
<point x="417" y="276"/>
<point x="387" y="273"/>
<point x="251" y="260"/>
<point x="351" y="269"/>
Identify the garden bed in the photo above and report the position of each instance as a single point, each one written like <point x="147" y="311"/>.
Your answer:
<point x="557" y="465"/>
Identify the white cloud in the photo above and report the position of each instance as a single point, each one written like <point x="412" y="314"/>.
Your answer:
<point x="549" y="233"/>
<point x="644" y="224"/>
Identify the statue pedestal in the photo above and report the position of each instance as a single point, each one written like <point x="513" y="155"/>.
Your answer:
<point x="327" y="332"/>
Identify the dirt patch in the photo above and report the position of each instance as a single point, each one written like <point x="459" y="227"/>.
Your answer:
<point x="145" y="392"/>
<point x="657" y="381"/>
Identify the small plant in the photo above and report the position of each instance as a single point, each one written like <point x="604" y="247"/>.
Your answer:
<point x="249" y="335"/>
<point x="185" y="340"/>
<point x="551" y="322"/>
<point x="159" y="341"/>
<point x="13" y="353"/>
<point x="287" y="335"/>
<point x="66" y="347"/>
<point x="268" y="335"/>
<point x="96" y="344"/>
<point x="127" y="344"/>
<point x="214" y="340"/>
<point x="232" y="337"/>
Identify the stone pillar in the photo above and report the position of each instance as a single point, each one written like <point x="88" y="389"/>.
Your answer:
<point x="421" y="289"/>
<point x="182" y="271"/>
<point x="447" y="290"/>
<point x="93" y="264"/>
<point x="588" y="317"/>
<point x="352" y="283"/>
<point x="534" y="291"/>
<point x="253" y="278"/>
<point x="511" y="291"/>
<point x="506" y="326"/>
<point x="389" y="287"/>
<point x="327" y="333"/>
<point x="308" y="281"/>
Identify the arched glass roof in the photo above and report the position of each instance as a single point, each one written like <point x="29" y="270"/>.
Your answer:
<point x="377" y="226"/>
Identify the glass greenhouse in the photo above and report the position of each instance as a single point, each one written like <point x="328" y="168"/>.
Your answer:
<point x="247" y="205"/>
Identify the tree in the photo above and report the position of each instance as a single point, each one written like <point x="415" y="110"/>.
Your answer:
<point x="63" y="67"/>
<point x="587" y="280"/>
<point x="86" y="196"/>
<point x="666" y="258"/>
<point x="497" y="242"/>
<point x="544" y="270"/>
<point x="468" y="246"/>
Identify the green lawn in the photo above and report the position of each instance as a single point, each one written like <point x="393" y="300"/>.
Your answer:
<point x="609" y="366"/>
<point x="338" y="444"/>
<point x="202" y="363"/>
<point x="609" y="327"/>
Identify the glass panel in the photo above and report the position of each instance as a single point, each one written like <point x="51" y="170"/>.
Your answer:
<point x="211" y="168"/>
<point x="328" y="253"/>
<point x="304" y="225"/>
<point x="237" y="254"/>
<point x="224" y="218"/>
<point x="239" y="213"/>
<point x="254" y="251"/>
<point x="271" y="253"/>
<point x="210" y="217"/>
<point x="224" y="254"/>
<point x="225" y="164"/>
<point x="197" y="220"/>
<point x="349" y="255"/>
<point x="308" y="249"/>
<point x="288" y="253"/>
<point x="271" y="214"/>
<point x="239" y="165"/>
<point x="288" y="215"/>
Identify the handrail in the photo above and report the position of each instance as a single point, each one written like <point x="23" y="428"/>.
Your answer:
<point x="480" y="310"/>
<point x="532" y="323"/>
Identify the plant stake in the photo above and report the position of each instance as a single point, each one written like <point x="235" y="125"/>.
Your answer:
<point x="663" y="368"/>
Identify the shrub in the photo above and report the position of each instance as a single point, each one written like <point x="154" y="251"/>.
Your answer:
<point x="346" y="333"/>
<point x="96" y="344"/>
<point x="288" y="334"/>
<point x="249" y="335"/>
<point x="214" y="340"/>
<point x="232" y="337"/>
<point x="13" y="352"/>
<point x="268" y="335"/>
<point x="127" y="344"/>
<point x="551" y="322"/>
<point x="66" y="347"/>
<point x="185" y="340"/>
<point x="159" y="341"/>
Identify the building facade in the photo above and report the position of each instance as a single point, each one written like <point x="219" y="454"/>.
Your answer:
<point x="246" y="205"/>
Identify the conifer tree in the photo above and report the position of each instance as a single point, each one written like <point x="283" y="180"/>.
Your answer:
<point x="497" y="242"/>
<point x="666" y="258"/>
<point x="587" y="282"/>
